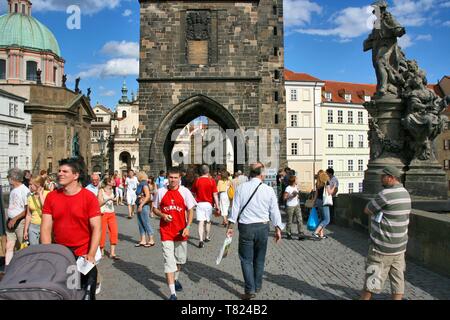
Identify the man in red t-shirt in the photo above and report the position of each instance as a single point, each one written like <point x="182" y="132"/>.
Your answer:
<point x="206" y="195"/>
<point x="72" y="214"/>
<point x="171" y="205"/>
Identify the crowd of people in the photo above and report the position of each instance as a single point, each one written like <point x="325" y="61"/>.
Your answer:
<point x="78" y="212"/>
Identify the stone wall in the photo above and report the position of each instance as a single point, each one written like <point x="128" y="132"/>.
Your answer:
<point x="239" y="74"/>
<point x="428" y="232"/>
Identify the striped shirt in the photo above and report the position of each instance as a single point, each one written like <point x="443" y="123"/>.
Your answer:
<point x="390" y="235"/>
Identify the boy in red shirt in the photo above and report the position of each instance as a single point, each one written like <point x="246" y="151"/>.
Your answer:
<point x="72" y="214"/>
<point x="171" y="205"/>
<point x="206" y="195"/>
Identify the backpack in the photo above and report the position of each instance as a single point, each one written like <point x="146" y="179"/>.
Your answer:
<point x="41" y="272"/>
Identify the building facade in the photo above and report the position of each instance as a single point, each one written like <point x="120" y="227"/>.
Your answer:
<point x="327" y="127"/>
<point x="304" y="132"/>
<point x="15" y="135"/>
<point x="100" y="137"/>
<point x="345" y="124"/>
<point x="124" y="141"/>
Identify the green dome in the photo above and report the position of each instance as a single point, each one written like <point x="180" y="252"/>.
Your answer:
<point x="25" y="31"/>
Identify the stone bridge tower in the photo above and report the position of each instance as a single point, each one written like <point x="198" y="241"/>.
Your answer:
<point x="221" y="59"/>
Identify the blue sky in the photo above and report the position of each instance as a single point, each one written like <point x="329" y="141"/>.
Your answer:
<point x="322" y="37"/>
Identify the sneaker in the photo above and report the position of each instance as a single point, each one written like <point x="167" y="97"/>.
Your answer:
<point x="207" y="239"/>
<point x="98" y="289"/>
<point x="315" y="235"/>
<point x="201" y="244"/>
<point x="248" y="296"/>
<point x="323" y="237"/>
<point x="178" y="286"/>
<point x="301" y="236"/>
<point x="173" y="297"/>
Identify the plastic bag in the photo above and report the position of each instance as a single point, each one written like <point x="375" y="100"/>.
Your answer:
<point x="313" y="220"/>
<point x="224" y="249"/>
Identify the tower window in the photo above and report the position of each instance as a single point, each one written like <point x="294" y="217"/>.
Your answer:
<point x="2" y="69"/>
<point x="124" y="114"/>
<point x="31" y="70"/>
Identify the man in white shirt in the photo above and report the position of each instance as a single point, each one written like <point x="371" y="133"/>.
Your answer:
<point x="93" y="186"/>
<point x="334" y="182"/>
<point x="131" y="183"/>
<point x="254" y="204"/>
<point x="16" y="212"/>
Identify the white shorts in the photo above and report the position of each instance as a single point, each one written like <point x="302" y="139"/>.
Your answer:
<point x="174" y="253"/>
<point x="131" y="197"/>
<point x="204" y="211"/>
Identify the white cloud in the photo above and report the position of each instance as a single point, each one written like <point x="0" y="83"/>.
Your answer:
<point x="86" y="6"/>
<point x="349" y="23"/>
<point x="445" y="4"/>
<point x="446" y="24"/>
<point x="405" y="41"/>
<point x="127" y="13"/>
<point x="121" y="49"/>
<point x="108" y="93"/>
<point x="112" y="68"/>
<point x="299" y="12"/>
<point x="424" y="37"/>
<point x="411" y="13"/>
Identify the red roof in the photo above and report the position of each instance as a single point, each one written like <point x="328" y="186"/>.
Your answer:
<point x="339" y="89"/>
<point x="294" y="76"/>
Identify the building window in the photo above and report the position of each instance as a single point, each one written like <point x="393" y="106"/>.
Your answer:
<point x="330" y="164"/>
<point x="360" y="117"/>
<point x="446" y="164"/>
<point x="330" y="141"/>
<point x="348" y="97"/>
<point x="99" y="119"/>
<point x="360" y="187"/>
<point x="360" y="165"/>
<point x="54" y="74"/>
<point x="276" y="74"/>
<point x="16" y="8"/>
<point x="330" y="116"/>
<point x="293" y="120"/>
<point x="275" y="31"/>
<point x="27" y="138"/>
<point x="31" y="70"/>
<point x="328" y="96"/>
<point x="124" y="114"/>
<point x="367" y="98"/>
<point x="293" y="94"/>
<point x="276" y="119"/>
<point x="294" y="148"/>
<point x="306" y="95"/>
<point x="350" y="141"/>
<point x="13" y="162"/>
<point x="350" y="165"/>
<point x="350" y="117"/>
<point x="2" y="69"/>
<point x="446" y="144"/>
<point x="275" y="51"/>
<point x="274" y="10"/>
<point x="361" y="141"/>
<point x="350" y="187"/>
<point x="340" y="116"/>
<point x="275" y="96"/>
<point x="13" y="110"/>
<point x="49" y="142"/>
<point x="23" y="9"/>
<point x="13" y="137"/>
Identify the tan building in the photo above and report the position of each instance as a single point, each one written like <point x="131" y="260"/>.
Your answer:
<point x="442" y="142"/>
<point x="61" y="121"/>
<point x="100" y="138"/>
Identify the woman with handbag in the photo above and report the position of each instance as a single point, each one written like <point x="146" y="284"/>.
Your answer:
<point x="323" y="201"/>
<point x="224" y="201"/>
<point x="32" y="230"/>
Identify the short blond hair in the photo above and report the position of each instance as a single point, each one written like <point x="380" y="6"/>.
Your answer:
<point x="141" y="176"/>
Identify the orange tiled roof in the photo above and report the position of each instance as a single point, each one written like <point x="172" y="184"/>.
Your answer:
<point x="294" y="76"/>
<point x="339" y="89"/>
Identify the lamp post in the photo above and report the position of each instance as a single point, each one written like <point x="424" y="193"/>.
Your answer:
<point x="101" y="142"/>
<point x="133" y="161"/>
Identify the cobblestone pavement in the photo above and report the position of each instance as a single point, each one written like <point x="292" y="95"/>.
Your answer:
<point x="328" y="269"/>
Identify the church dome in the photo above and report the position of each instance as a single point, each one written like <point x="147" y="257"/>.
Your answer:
<point x="22" y="30"/>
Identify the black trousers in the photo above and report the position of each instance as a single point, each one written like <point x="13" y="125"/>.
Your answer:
<point x="89" y="284"/>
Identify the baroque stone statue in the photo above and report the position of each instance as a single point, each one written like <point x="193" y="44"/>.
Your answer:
<point x="77" y="85"/>
<point x="38" y="76"/>
<point x="64" y="80"/>
<point x="76" y="146"/>
<point x="386" y="55"/>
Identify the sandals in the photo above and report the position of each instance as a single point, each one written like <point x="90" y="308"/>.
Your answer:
<point x="137" y="245"/>
<point x="116" y="257"/>
<point x="149" y="245"/>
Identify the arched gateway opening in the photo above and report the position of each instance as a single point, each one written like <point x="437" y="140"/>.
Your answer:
<point x="215" y="150"/>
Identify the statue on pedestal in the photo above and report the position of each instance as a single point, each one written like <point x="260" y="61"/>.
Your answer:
<point x="77" y="84"/>
<point x="64" y="79"/>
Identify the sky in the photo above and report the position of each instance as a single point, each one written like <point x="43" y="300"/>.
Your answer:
<point x="321" y="37"/>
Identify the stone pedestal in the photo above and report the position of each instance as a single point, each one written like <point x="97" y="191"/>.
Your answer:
<point x="426" y="179"/>
<point x="372" y="176"/>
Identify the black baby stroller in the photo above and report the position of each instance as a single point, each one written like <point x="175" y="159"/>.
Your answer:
<point x="41" y="272"/>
